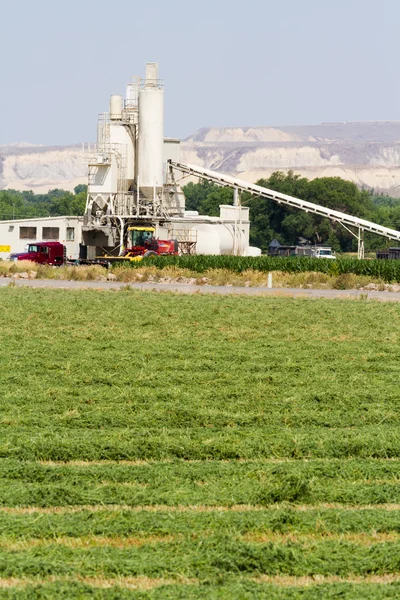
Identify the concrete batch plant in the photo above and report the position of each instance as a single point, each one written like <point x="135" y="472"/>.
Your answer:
<point x="131" y="182"/>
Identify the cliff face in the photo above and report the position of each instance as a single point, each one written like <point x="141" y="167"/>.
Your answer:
<point x="40" y="168"/>
<point x="366" y="153"/>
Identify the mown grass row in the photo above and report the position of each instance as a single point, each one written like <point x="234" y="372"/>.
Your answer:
<point x="357" y="482"/>
<point x="200" y="443"/>
<point x="121" y="522"/>
<point x="207" y="557"/>
<point x="293" y="489"/>
<point x="388" y="270"/>
<point x="212" y="471"/>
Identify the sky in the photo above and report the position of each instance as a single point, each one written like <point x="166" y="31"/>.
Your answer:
<point x="225" y="63"/>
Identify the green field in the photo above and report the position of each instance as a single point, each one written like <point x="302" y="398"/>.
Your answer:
<point x="170" y="446"/>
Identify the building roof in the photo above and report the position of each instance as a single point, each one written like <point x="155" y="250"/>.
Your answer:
<point x="40" y="219"/>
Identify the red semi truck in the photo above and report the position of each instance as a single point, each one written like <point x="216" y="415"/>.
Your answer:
<point x="43" y="253"/>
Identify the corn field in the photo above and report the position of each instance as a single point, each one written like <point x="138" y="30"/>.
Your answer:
<point x="387" y="270"/>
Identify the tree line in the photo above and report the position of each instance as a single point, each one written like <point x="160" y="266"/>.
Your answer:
<point x="57" y="202"/>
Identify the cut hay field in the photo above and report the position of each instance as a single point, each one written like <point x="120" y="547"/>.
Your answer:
<point x="166" y="446"/>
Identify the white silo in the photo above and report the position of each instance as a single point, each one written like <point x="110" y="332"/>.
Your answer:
<point x="151" y="134"/>
<point x="122" y="140"/>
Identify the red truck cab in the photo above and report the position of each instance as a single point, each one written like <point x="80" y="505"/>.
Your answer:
<point x="43" y="253"/>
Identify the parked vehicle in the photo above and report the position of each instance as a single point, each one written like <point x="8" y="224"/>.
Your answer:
<point x="392" y="253"/>
<point x="142" y="243"/>
<point x="43" y="253"/>
<point x="277" y="249"/>
<point x="322" y="252"/>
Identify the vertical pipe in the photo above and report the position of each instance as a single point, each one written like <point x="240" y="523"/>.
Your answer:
<point x="137" y="197"/>
<point x="360" y="243"/>
<point x="99" y="134"/>
<point x="121" y="238"/>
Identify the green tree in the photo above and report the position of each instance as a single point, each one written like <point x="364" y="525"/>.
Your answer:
<point x="78" y="189"/>
<point x="206" y="197"/>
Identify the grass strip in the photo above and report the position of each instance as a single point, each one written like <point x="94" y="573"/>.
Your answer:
<point x="145" y="472"/>
<point x="205" y="558"/>
<point x="209" y="483"/>
<point x="124" y="542"/>
<point x="147" y="525"/>
<point x="199" y="443"/>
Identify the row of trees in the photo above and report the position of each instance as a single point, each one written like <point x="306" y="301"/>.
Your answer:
<point x="270" y="220"/>
<point x="23" y="205"/>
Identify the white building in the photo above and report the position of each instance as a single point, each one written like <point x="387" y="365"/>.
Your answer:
<point x="16" y="234"/>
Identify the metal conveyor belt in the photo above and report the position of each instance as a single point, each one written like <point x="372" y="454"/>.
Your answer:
<point x="334" y="215"/>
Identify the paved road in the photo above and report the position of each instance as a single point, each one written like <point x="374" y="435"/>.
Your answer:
<point x="203" y="289"/>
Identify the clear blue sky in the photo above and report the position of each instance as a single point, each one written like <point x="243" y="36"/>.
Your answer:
<point x="224" y="62"/>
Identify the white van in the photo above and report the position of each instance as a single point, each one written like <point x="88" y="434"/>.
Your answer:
<point x="323" y="252"/>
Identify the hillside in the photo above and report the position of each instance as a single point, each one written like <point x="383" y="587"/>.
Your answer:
<point x="366" y="153"/>
<point x="40" y="168"/>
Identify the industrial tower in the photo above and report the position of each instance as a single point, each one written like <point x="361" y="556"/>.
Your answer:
<point x="131" y="181"/>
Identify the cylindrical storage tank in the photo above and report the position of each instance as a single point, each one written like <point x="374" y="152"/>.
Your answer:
<point x="226" y="239"/>
<point x="122" y="140"/>
<point x="253" y="251"/>
<point x="207" y="240"/>
<point x="151" y="140"/>
<point x="115" y="107"/>
<point x="213" y="239"/>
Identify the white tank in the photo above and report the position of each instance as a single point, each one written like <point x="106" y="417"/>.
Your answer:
<point x="253" y="251"/>
<point x="121" y="137"/>
<point x="214" y="239"/>
<point x="151" y="140"/>
<point x="115" y="107"/>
